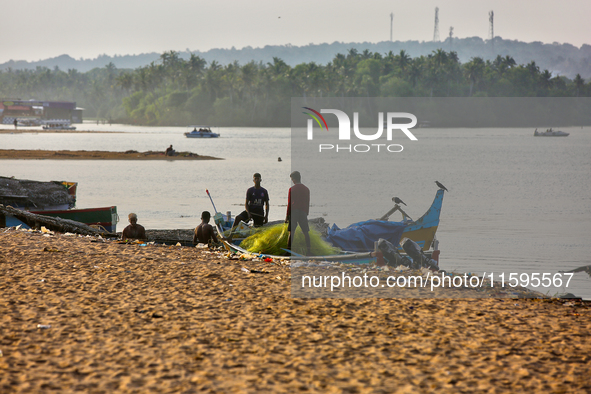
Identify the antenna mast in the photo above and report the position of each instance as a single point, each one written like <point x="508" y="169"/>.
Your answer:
<point x="491" y="30"/>
<point x="391" y="23"/>
<point x="451" y="35"/>
<point x="436" y="30"/>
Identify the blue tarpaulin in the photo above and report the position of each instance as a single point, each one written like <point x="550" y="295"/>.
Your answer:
<point x="360" y="237"/>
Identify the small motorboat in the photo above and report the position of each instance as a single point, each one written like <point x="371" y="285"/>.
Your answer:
<point x="550" y="133"/>
<point x="201" y="132"/>
<point x="58" y="125"/>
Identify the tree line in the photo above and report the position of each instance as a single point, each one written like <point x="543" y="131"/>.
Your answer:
<point x="177" y="91"/>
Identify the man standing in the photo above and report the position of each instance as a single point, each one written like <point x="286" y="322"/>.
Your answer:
<point x="204" y="232"/>
<point x="133" y="230"/>
<point x="298" y="207"/>
<point x="257" y="197"/>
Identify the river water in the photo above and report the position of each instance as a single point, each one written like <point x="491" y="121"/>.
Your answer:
<point x="515" y="204"/>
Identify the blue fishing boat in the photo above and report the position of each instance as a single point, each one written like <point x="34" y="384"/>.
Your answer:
<point x="357" y="240"/>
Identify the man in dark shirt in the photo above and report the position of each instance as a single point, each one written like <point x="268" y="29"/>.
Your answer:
<point x="298" y="207"/>
<point x="134" y="230"/>
<point x="257" y="197"/>
<point x="204" y="232"/>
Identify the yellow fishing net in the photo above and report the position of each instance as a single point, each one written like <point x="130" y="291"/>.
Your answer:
<point x="273" y="240"/>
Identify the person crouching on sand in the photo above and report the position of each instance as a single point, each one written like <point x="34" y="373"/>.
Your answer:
<point x="133" y="230"/>
<point x="257" y="197"/>
<point x="204" y="232"/>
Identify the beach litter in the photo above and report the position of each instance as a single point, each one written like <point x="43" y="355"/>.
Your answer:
<point x="44" y="230"/>
<point x="44" y="326"/>
<point x="46" y="249"/>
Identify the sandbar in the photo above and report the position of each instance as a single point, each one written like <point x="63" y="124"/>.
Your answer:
<point x="14" y="154"/>
<point x="83" y="314"/>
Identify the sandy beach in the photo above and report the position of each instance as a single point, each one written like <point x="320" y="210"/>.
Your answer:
<point x="84" y="314"/>
<point x="22" y="154"/>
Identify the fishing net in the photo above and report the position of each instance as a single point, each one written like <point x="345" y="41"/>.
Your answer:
<point x="273" y="240"/>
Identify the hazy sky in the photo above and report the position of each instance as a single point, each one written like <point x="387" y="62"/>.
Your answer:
<point x="38" y="29"/>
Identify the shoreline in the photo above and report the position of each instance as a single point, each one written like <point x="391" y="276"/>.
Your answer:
<point x="88" y="314"/>
<point x="14" y="154"/>
<point x="41" y="131"/>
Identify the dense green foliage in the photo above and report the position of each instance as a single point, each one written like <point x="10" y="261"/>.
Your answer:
<point x="174" y="91"/>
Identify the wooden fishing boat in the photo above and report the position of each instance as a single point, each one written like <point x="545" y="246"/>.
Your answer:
<point x="54" y="199"/>
<point x="37" y="195"/>
<point x="421" y="231"/>
<point x="101" y="218"/>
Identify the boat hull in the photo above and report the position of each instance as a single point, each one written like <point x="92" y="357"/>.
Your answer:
<point x="96" y="217"/>
<point x="551" y="134"/>
<point x="202" y="135"/>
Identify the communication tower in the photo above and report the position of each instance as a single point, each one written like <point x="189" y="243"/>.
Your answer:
<point x="436" y="30"/>
<point x="451" y="35"/>
<point x="391" y="23"/>
<point x="491" y="30"/>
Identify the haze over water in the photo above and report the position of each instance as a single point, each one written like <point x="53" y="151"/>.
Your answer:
<point x="515" y="204"/>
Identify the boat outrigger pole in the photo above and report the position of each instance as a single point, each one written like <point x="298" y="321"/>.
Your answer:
<point x="391" y="211"/>
<point x="210" y="199"/>
<point x="218" y="216"/>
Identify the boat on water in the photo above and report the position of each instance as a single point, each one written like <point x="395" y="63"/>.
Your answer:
<point x="29" y="122"/>
<point x="54" y="199"/>
<point x="58" y="125"/>
<point x="422" y="231"/>
<point x="550" y="133"/>
<point x="201" y="132"/>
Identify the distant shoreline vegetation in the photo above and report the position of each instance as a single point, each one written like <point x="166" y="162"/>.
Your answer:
<point x="176" y="91"/>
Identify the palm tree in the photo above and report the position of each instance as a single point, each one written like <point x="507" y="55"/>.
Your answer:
<point x="545" y="82"/>
<point x="416" y="71"/>
<point x="125" y="81"/>
<point x="248" y="75"/>
<point x="193" y="70"/>
<point x="230" y="78"/>
<point x="533" y="69"/>
<point x="579" y="83"/>
<point x="474" y="71"/>
<point x="213" y="80"/>
<point x="403" y="60"/>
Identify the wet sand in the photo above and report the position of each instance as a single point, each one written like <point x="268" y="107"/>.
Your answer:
<point x="134" y="319"/>
<point x="13" y="154"/>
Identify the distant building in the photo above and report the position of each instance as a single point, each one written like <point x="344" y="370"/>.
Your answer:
<point x="39" y="111"/>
